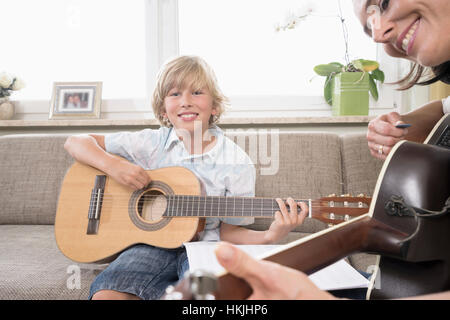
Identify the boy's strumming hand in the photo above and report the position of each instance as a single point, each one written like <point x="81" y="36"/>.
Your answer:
<point x="286" y="220"/>
<point x="128" y="174"/>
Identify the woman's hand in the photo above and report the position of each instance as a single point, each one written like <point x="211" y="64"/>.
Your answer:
<point x="269" y="281"/>
<point x="382" y="134"/>
<point x="285" y="220"/>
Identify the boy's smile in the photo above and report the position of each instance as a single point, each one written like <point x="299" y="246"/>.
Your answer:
<point x="186" y="106"/>
<point x="188" y="116"/>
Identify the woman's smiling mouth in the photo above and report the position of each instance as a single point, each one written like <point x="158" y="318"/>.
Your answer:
<point x="406" y="39"/>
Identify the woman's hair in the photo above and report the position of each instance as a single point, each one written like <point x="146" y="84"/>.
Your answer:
<point x="439" y="73"/>
<point x="183" y="72"/>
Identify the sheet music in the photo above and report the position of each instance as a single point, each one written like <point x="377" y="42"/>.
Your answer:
<point x="337" y="276"/>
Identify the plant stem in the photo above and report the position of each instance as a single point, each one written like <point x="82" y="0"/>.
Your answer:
<point x="345" y="33"/>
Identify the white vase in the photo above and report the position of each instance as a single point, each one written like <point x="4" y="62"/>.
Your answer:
<point x="6" y="109"/>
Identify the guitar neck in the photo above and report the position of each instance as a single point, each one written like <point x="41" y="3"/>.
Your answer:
<point x="314" y="252"/>
<point x="219" y="206"/>
<point x="307" y="255"/>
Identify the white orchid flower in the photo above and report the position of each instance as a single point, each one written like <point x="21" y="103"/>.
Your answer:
<point x="18" y="84"/>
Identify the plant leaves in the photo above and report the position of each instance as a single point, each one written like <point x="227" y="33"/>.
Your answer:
<point x="365" y="65"/>
<point x="327" y="69"/>
<point x="328" y="89"/>
<point x="338" y="64"/>
<point x="378" y="75"/>
<point x="373" y="87"/>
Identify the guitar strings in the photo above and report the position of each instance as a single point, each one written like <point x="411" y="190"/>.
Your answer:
<point x="213" y="199"/>
<point x="253" y="204"/>
<point x="231" y="198"/>
<point x="229" y="206"/>
<point x="218" y="199"/>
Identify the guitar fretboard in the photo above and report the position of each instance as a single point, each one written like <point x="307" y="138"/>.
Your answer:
<point x="219" y="206"/>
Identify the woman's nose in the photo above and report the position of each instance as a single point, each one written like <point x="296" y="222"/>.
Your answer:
<point x="383" y="31"/>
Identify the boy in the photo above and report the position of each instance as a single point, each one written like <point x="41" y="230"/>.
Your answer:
<point x="188" y="103"/>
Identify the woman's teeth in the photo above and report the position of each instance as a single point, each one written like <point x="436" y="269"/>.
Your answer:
<point x="408" y="36"/>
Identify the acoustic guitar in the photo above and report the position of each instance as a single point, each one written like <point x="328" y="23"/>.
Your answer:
<point x="408" y="225"/>
<point x="97" y="217"/>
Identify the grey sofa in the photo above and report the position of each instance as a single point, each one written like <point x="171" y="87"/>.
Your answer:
<point x="32" y="167"/>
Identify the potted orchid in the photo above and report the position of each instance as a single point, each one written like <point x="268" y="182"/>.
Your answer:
<point x="347" y="86"/>
<point x="8" y="83"/>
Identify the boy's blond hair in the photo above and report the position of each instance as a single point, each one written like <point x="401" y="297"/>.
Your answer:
<point x="183" y="72"/>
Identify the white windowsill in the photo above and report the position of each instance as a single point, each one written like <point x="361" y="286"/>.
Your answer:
<point x="154" y="122"/>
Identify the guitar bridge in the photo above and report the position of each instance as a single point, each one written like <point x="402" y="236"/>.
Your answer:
<point x="95" y="205"/>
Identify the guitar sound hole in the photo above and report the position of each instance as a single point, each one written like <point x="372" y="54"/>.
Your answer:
<point x="151" y="205"/>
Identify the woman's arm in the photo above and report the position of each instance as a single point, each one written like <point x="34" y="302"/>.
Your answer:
<point x="423" y="120"/>
<point x="382" y="134"/>
<point x="273" y="281"/>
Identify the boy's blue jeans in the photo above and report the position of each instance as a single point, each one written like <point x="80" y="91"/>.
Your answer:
<point x="144" y="271"/>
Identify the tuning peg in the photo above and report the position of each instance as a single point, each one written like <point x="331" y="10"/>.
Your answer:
<point x="331" y="217"/>
<point x="361" y="195"/>
<point x="332" y="195"/>
<point x="346" y="195"/>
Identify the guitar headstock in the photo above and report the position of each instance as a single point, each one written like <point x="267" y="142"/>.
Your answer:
<point x="337" y="209"/>
<point x="195" y="285"/>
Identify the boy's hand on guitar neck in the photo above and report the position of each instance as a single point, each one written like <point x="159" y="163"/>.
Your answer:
<point x="285" y="221"/>
<point x="128" y="174"/>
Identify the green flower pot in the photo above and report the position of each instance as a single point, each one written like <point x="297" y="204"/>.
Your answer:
<point x="350" y="94"/>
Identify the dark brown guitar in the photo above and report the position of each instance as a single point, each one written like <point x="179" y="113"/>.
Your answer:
<point x="426" y="269"/>
<point x="408" y="225"/>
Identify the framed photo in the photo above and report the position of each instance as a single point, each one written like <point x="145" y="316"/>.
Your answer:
<point x="76" y="100"/>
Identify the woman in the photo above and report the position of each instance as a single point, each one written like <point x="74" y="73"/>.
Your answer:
<point x="418" y="30"/>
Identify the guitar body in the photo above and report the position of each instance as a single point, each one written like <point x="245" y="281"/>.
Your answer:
<point x="121" y="223"/>
<point x="421" y="175"/>
<point x="97" y="217"/>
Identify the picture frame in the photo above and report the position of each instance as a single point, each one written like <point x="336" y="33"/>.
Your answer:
<point x="76" y="100"/>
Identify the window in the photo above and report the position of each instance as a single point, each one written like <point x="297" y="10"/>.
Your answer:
<point x="239" y="39"/>
<point x="75" y="40"/>
<point x="124" y="43"/>
<point x="257" y="66"/>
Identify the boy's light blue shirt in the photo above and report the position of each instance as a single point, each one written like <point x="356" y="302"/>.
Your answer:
<point x="225" y="170"/>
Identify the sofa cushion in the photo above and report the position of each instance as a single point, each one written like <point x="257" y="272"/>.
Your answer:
<point x="32" y="168"/>
<point x="32" y="267"/>
<point x="360" y="169"/>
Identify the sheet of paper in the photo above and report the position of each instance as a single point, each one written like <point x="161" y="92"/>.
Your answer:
<point x="337" y="276"/>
